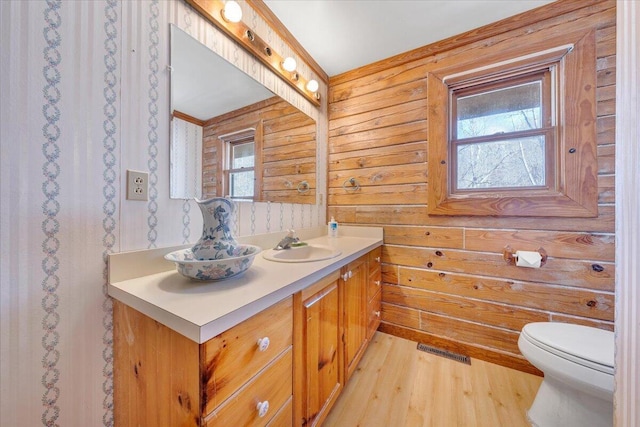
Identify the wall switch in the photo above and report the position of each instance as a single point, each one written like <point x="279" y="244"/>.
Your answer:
<point x="137" y="185"/>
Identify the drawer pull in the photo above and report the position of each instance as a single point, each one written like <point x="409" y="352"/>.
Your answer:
<point x="263" y="408"/>
<point x="378" y="258"/>
<point x="377" y="313"/>
<point x="263" y="344"/>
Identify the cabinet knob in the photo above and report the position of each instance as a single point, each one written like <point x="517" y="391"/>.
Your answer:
<point x="377" y="313"/>
<point x="345" y="277"/>
<point x="263" y="408"/>
<point x="263" y="343"/>
<point x="377" y="282"/>
<point x="378" y="258"/>
<point x="350" y="274"/>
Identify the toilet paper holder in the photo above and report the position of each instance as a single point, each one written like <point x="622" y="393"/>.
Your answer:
<point x="509" y="255"/>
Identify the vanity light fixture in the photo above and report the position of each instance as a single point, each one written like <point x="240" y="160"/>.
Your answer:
<point x="313" y="86"/>
<point x="227" y="16"/>
<point x="289" y="64"/>
<point x="231" y="12"/>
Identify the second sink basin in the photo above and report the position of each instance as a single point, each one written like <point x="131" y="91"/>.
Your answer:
<point x="308" y="253"/>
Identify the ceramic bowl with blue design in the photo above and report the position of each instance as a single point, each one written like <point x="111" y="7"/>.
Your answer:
<point x="214" y="269"/>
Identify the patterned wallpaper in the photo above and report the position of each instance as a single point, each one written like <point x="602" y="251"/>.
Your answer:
<point x="85" y="96"/>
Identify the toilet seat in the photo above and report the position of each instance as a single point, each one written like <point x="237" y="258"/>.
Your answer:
<point x="586" y="346"/>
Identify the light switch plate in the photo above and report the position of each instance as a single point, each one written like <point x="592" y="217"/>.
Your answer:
<point x="137" y="185"/>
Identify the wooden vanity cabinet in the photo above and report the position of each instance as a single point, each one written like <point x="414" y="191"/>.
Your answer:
<point x="237" y="378"/>
<point x="318" y="365"/>
<point x="285" y="366"/>
<point x="355" y="276"/>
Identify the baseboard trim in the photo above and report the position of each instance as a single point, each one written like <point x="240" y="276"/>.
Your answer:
<point x="497" y="357"/>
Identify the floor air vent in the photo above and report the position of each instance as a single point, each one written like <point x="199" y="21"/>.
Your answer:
<point x="444" y="353"/>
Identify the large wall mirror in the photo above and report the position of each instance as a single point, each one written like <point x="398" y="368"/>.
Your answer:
<point x="230" y="136"/>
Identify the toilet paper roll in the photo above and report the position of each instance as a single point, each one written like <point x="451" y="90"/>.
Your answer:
<point x="528" y="259"/>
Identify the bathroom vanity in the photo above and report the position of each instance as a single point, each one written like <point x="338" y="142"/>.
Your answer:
<point x="271" y="348"/>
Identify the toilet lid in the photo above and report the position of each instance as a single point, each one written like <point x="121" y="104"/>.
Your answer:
<point x="585" y="345"/>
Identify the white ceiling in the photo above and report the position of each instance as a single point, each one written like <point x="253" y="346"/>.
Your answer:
<point x="342" y="35"/>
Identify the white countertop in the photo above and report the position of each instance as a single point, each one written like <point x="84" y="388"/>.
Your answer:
<point x="202" y="310"/>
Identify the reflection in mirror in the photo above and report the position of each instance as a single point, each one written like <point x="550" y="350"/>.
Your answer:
<point x="233" y="137"/>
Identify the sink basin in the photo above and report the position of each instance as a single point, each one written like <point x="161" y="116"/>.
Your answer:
<point x="309" y="253"/>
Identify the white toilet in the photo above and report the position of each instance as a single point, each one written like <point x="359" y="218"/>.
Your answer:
<point x="577" y="362"/>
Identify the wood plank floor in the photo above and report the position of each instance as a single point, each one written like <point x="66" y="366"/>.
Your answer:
<point x="397" y="385"/>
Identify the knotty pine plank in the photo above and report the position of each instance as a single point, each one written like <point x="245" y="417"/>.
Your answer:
<point x="392" y="135"/>
<point x="384" y="117"/>
<point x="413" y="152"/>
<point x="463" y="308"/>
<point x="557" y="271"/>
<point x="383" y="194"/>
<point x="553" y="298"/>
<point x="384" y="98"/>
<point x="413" y="173"/>
<point x="417" y="215"/>
<point x="588" y="246"/>
<point x="441" y="237"/>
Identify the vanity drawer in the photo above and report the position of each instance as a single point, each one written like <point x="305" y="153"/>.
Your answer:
<point x="272" y="387"/>
<point x="375" y="259"/>
<point x="233" y="357"/>
<point x="284" y="416"/>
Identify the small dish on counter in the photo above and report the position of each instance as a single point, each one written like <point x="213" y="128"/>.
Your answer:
<point x="214" y="269"/>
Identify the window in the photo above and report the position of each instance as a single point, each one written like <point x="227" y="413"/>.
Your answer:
<point x="502" y="134"/>
<point x="515" y="134"/>
<point x="239" y="166"/>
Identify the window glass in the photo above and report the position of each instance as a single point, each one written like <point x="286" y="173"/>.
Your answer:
<point x="499" y="139"/>
<point x="241" y="184"/>
<point x="498" y="111"/>
<point x="508" y="163"/>
<point x="242" y="155"/>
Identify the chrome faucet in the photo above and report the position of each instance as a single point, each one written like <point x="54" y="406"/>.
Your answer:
<point x="287" y="241"/>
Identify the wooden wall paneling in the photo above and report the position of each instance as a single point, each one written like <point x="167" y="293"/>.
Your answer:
<point x="606" y="129"/>
<point x="557" y="244"/>
<point x="381" y="194"/>
<point x="552" y="298"/>
<point x="474" y="310"/>
<point x="442" y="237"/>
<point x="606" y="188"/>
<point x="437" y="280"/>
<point x="412" y="173"/>
<point x="417" y="215"/>
<point x="383" y="98"/>
<point x="586" y="274"/>
<point x="393" y="135"/>
<point x="414" y="152"/>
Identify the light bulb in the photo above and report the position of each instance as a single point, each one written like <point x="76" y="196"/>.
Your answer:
<point x="289" y="64"/>
<point x="312" y="86"/>
<point x="232" y="11"/>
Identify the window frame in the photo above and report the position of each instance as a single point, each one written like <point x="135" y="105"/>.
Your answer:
<point x="575" y="191"/>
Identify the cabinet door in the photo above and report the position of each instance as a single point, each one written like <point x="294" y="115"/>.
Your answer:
<point x="318" y="367"/>
<point x="355" y="276"/>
